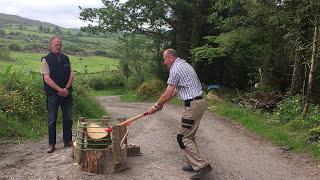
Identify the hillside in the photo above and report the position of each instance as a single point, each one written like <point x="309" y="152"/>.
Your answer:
<point x="27" y="35"/>
<point x="8" y="20"/>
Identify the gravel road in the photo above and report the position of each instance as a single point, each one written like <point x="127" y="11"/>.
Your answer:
<point x="233" y="152"/>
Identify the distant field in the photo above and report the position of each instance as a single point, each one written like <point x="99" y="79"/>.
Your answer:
<point x="88" y="64"/>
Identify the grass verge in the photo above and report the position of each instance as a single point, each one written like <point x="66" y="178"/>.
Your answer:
<point x="263" y="125"/>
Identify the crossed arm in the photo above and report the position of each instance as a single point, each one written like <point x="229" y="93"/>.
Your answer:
<point x="62" y="91"/>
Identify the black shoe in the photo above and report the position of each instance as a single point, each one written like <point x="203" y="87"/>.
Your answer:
<point x="51" y="148"/>
<point x="188" y="168"/>
<point x="201" y="172"/>
<point x="68" y="144"/>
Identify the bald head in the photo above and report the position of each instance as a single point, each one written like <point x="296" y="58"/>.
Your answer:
<point x="169" y="56"/>
<point x="171" y="52"/>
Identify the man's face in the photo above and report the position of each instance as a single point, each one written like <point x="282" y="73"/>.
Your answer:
<point x="167" y="59"/>
<point x="55" y="46"/>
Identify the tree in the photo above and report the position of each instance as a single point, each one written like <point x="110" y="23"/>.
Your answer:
<point x="314" y="58"/>
<point x="41" y="29"/>
<point x="135" y="52"/>
<point x="57" y="30"/>
<point x="5" y="54"/>
<point x="178" y="23"/>
<point x="2" y="33"/>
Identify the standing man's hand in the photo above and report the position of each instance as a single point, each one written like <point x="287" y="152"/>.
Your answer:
<point x="63" y="92"/>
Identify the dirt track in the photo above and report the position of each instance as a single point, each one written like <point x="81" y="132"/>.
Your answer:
<point x="233" y="152"/>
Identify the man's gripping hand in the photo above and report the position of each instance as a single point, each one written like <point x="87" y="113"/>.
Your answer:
<point x="154" y="108"/>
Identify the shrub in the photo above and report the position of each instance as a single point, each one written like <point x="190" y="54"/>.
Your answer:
<point x="14" y="47"/>
<point x="289" y="109"/>
<point x="151" y="88"/>
<point x="105" y="83"/>
<point x="297" y="125"/>
<point x="5" y="54"/>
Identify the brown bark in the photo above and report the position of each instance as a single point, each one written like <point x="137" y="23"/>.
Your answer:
<point x="298" y="75"/>
<point x="312" y="66"/>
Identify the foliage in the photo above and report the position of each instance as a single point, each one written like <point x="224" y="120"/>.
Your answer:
<point x="4" y="54"/>
<point x="14" y="47"/>
<point x="103" y="82"/>
<point x="136" y="53"/>
<point x="298" y="125"/>
<point x="151" y="88"/>
<point x="22" y="104"/>
<point x="178" y="23"/>
<point x="33" y="36"/>
<point x="289" y="109"/>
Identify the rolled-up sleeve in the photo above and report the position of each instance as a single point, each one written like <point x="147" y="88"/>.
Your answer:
<point x="44" y="69"/>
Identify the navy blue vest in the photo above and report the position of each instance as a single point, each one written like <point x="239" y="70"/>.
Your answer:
<point x="59" y="66"/>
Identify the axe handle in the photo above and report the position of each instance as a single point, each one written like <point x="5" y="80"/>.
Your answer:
<point x="128" y="121"/>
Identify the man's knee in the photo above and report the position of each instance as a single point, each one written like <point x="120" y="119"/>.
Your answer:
<point x="180" y="141"/>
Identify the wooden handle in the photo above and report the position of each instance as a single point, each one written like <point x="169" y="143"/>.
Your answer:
<point x="128" y="121"/>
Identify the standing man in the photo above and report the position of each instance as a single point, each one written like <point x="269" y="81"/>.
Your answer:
<point x="184" y="81"/>
<point x="57" y="79"/>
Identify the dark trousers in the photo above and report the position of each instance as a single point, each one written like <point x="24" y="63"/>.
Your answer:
<point x="65" y="103"/>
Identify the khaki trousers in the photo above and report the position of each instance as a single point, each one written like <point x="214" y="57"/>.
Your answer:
<point x="191" y="117"/>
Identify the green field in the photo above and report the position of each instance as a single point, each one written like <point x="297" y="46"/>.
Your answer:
<point x="86" y="64"/>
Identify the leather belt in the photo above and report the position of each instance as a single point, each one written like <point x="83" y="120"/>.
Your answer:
<point x="188" y="101"/>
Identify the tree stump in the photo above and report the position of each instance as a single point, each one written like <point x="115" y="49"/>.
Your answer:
<point x="109" y="159"/>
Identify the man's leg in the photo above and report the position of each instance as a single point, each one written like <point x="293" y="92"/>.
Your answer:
<point x="190" y="123"/>
<point x="66" y="108"/>
<point x="52" y="107"/>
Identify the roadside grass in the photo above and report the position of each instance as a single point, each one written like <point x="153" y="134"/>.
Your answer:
<point x="263" y="125"/>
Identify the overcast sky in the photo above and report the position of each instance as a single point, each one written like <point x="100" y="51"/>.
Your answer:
<point x="64" y="13"/>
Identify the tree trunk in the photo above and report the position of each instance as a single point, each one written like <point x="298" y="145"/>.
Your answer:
<point x="312" y="67"/>
<point x="298" y="75"/>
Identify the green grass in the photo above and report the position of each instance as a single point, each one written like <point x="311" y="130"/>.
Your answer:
<point x="261" y="124"/>
<point x="88" y="64"/>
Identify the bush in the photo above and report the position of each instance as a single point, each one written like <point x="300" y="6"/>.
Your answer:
<point x="297" y="125"/>
<point x="105" y="83"/>
<point x="14" y="47"/>
<point x="5" y="54"/>
<point x="289" y="109"/>
<point x="151" y="88"/>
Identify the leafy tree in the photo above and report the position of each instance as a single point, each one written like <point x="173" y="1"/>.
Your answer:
<point x="135" y="54"/>
<point x="2" y="33"/>
<point x="5" y="54"/>
<point x="14" y="47"/>
<point x="41" y="29"/>
<point x="178" y="23"/>
<point x="57" y="30"/>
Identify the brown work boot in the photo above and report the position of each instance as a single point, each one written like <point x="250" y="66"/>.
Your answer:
<point x="51" y="148"/>
<point x="188" y="168"/>
<point x="201" y="172"/>
<point x="68" y="144"/>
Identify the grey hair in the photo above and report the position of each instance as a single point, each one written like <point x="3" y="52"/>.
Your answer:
<point x="171" y="52"/>
<point x="53" y="38"/>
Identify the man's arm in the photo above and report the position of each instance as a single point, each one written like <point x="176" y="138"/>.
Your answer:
<point x="52" y="84"/>
<point x="70" y="81"/>
<point x="165" y="97"/>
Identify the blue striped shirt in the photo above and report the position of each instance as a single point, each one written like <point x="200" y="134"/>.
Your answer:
<point x="185" y="78"/>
